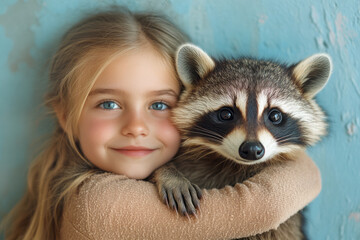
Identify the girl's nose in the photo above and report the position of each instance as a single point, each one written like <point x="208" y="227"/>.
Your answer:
<point x="135" y="125"/>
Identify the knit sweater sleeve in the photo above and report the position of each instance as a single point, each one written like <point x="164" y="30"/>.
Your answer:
<point x="110" y="206"/>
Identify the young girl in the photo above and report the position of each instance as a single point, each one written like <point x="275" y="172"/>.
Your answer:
<point x="113" y="84"/>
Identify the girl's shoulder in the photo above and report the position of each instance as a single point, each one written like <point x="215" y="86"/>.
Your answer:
<point x="100" y="200"/>
<point x="99" y="191"/>
<point x="103" y="181"/>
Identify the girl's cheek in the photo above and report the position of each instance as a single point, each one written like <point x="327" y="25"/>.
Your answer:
<point x="168" y="131"/>
<point x="97" y="130"/>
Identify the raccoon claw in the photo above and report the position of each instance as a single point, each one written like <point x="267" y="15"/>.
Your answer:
<point x="183" y="199"/>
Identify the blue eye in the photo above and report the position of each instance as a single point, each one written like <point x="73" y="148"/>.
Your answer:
<point x="160" y="106"/>
<point x="109" y="105"/>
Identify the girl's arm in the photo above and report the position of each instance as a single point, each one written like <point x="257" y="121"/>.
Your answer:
<point x="112" y="206"/>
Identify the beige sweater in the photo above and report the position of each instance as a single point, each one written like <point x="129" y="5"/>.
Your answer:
<point x="110" y="206"/>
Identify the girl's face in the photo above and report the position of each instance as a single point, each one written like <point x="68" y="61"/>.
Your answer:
<point x="125" y="125"/>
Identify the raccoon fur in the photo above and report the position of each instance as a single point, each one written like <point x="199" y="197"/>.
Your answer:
<point x="236" y="117"/>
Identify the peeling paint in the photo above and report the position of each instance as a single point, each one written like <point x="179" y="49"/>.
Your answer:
<point x="339" y="23"/>
<point x="339" y="90"/>
<point x="316" y="21"/>
<point x="18" y="29"/>
<point x="345" y="116"/>
<point x="351" y="129"/>
<point x="355" y="216"/>
<point x="342" y="228"/>
<point x="331" y="34"/>
<point x="315" y="18"/>
<point x="356" y="87"/>
<point x="263" y="19"/>
<point x="321" y="43"/>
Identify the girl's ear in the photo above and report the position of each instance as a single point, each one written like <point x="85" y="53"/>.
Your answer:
<point x="312" y="74"/>
<point x="192" y="64"/>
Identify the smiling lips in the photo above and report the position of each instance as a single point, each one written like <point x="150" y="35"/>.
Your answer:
<point x="133" y="151"/>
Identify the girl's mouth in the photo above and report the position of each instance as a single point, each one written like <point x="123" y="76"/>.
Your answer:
<point x="134" y="151"/>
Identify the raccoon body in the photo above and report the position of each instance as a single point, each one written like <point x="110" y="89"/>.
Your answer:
<point x="238" y="116"/>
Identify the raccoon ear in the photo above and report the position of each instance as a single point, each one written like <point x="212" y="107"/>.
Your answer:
<point x="192" y="64"/>
<point x="312" y="73"/>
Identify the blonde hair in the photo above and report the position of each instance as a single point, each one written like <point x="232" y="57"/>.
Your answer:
<point x="61" y="168"/>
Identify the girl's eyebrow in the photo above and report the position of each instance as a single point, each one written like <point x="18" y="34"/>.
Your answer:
<point x="163" y="92"/>
<point x="169" y="92"/>
<point x="106" y="91"/>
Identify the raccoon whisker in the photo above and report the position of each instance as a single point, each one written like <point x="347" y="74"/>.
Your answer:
<point x="217" y="140"/>
<point x="205" y="129"/>
<point x="207" y="134"/>
<point x="282" y="140"/>
<point x="212" y="139"/>
<point x="197" y="127"/>
<point x="282" y="158"/>
<point x="208" y="153"/>
<point x="200" y="153"/>
<point x="199" y="150"/>
<point x="200" y="129"/>
<point x="287" y="139"/>
<point x="283" y="137"/>
<point x="223" y="161"/>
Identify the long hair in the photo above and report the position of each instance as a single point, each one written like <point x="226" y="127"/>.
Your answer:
<point x="84" y="52"/>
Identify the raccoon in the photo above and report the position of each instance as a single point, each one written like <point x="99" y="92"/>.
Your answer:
<point x="236" y="117"/>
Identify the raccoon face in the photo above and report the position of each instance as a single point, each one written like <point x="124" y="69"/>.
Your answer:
<point x="249" y="110"/>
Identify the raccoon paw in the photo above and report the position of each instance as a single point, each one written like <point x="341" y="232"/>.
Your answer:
<point x="181" y="195"/>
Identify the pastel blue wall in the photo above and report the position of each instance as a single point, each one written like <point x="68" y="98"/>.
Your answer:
<point x="284" y="30"/>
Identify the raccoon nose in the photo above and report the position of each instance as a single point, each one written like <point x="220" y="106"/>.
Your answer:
<point x="251" y="150"/>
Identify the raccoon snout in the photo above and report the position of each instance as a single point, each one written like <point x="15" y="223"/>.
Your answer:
<point x="251" y="150"/>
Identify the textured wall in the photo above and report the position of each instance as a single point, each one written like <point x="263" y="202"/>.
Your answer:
<point x="282" y="29"/>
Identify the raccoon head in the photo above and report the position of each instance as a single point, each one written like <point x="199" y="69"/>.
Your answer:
<point x="249" y="110"/>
